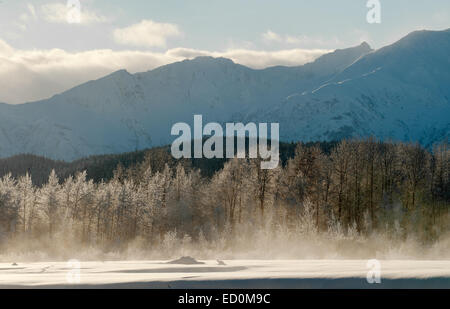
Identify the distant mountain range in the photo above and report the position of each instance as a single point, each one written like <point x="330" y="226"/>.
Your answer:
<point x="399" y="92"/>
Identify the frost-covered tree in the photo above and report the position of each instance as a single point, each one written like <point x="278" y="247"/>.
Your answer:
<point x="50" y="202"/>
<point x="229" y="190"/>
<point x="354" y="189"/>
<point x="26" y="198"/>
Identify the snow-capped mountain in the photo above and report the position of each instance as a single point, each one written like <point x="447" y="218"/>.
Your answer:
<point x="400" y="91"/>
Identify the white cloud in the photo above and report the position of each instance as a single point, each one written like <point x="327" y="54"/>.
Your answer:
<point x="263" y="59"/>
<point x="5" y="49"/>
<point x="29" y="75"/>
<point x="272" y="37"/>
<point x="146" y="33"/>
<point x="58" y="13"/>
<point x="255" y="58"/>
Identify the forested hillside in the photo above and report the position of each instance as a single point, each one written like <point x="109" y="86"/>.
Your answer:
<point x="102" y="167"/>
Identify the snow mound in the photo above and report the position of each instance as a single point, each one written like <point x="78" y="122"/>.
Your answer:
<point x="186" y="260"/>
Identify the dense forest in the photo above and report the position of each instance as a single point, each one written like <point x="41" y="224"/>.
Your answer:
<point x="352" y="198"/>
<point x="101" y="167"/>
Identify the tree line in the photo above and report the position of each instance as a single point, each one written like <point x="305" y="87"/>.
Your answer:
<point x="358" y="187"/>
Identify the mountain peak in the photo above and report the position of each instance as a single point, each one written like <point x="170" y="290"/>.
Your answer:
<point x="423" y="37"/>
<point x="120" y="72"/>
<point x="341" y="58"/>
<point x="365" y="45"/>
<point x="210" y="59"/>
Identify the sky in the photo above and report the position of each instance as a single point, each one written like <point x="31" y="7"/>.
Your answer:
<point x="45" y="48"/>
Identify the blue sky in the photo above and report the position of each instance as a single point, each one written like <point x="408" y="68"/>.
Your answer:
<point x="209" y="22"/>
<point x="218" y="25"/>
<point x="37" y="43"/>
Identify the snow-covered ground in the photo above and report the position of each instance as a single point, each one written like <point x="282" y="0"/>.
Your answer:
<point x="234" y="274"/>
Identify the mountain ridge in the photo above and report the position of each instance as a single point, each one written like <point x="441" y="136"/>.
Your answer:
<point x="352" y="92"/>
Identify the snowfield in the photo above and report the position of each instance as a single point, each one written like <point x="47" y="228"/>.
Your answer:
<point x="234" y="274"/>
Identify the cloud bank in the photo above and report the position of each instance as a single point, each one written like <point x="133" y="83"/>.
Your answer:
<point x="30" y="75"/>
<point x="146" y="33"/>
<point x="304" y="40"/>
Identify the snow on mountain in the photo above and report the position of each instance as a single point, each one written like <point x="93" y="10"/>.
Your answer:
<point x="399" y="91"/>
